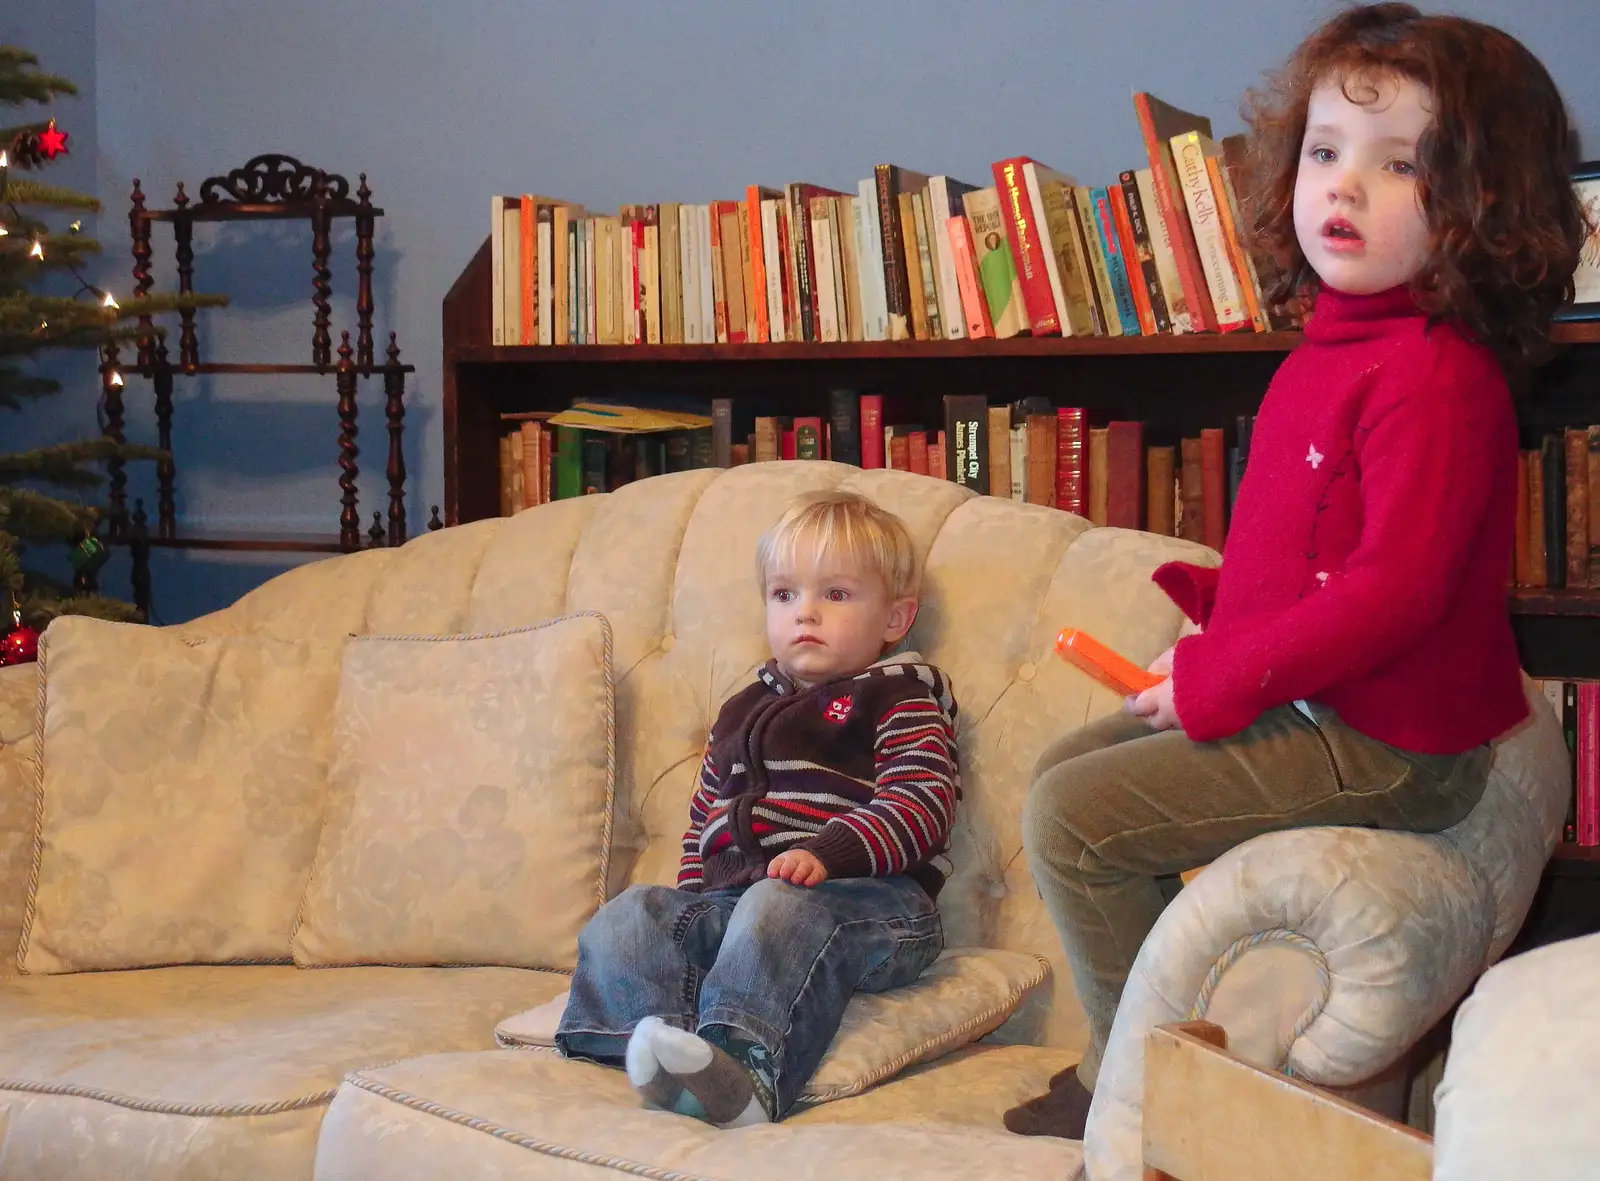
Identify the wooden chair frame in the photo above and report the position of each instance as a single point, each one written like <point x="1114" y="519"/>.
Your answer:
<point x="1210" y="1116"/>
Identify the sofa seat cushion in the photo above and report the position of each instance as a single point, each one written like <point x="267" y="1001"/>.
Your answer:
<point x="207" y="1072"/>
<point x="529" y="1113"/>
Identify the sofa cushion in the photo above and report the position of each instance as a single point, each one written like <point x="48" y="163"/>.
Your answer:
<point x="967" y="993"/>
<point x="469" y="815"/>
<point x="163" y="1063"/>
<point x="513" y="1115"/>
<point x="181" y="792"/>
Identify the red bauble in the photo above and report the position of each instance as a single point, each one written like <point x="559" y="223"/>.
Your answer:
<point x="19" y="646"/>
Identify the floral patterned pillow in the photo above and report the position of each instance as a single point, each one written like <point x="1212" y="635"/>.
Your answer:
<point x="469" y="816"/>
<point x="180" y="792"/>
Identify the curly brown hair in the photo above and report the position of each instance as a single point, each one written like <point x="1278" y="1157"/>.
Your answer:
<point x="1494" y="169"/>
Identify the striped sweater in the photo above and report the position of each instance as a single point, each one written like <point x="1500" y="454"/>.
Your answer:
<point x="860" y="771"/>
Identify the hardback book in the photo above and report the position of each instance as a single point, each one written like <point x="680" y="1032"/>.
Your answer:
<point x="999" y="451"/>
<point x="1095" y="475"/>
<point x="873" y="454"/>
<point x="1593" y="494"/>
<point x="1577" y="506"/>
<point x="1072" y="459"/>
<point x="844" y="423"/>
<point x="1125" y="475"/>
<point x="1191" y="492"/>
<point x="966" y="432"/>
<point x="997" y="272"/>
<point x="1159" y="495"/>
<point x="1042" y="444"/>
<point x="1214" y="487"/>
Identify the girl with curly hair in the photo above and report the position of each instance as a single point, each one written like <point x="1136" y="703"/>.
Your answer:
<point x="1355" y="658"/>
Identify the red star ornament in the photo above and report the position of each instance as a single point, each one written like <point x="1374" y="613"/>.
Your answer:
<point x="52" y="143"/>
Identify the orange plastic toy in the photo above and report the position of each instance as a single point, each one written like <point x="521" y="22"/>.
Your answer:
<point x="1114" y="671"/>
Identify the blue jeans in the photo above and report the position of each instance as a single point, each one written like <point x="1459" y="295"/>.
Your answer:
<point x="773" y="963"/>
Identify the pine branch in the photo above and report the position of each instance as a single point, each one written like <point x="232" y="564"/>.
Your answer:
<point x="16" y="385"/>
<point x="61" y="463"/>
<point x="21" y="82"/>
<point x="33" y="516"/>
<point x="21" y="191"/>
<point x="37" y="612"/>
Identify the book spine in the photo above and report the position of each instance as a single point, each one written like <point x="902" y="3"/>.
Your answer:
<point x="1065" y="263"/>
<point x="1116" y="272"/>
<point x="755" y="247"/>
<point x="1125" y="475"/>
<point x="1193" y="303"/>
<point x="844" y="423"/>
<point x="1594" y="505"/>
<point x="872" y="449"/>
<point x="1577" y="514"/>
<point x="1042" y="445"/>
<point x="917" y="452"/>
<point x="844" y="276"/>
<point x="733" y="270"/>
<point x="876" y="317"/>
<point x="650" y="283"/>
<point x="772" y="270"/>
<point x="718" y="273"/>
<point x="689" y="268"/>
<point x="800" y="233"/>
<point x="1166" y="255"/>
<point x="992" y="257"/>
<point x="1214" y="482"/>
<point x="671" y="272"/>
<point x="936" y="456"/>
<point x="1520" y="575"/>
<point x="708" y="286"/>
<point x="822" y="252"/>
<point x="1244" y="271"/>
<point x="1160" y="497"/>
<point x="1145" y="250"/>
<point x="1019" y="462"/>
<point x="1588" y="759"/>
<point x="1538" y="567"/>
<point x="897" y="447"/>
<point x="897" y="291"/>
<point x="1071" y="436"/>
<point x="966" y="432"/>
<point x="1089" y="232"/>
<point x="1201" y="203"/>
<point x="747" y="275"/>
<point x="497" y="271"/>
<point x="528" y="330"/>
<point x="722" y="432"/>
<point x="808" y="438"/>
<point x="974" y="308"/>
<point x="1023" y="236"/>
<point x="999" y="452"/>
<point x="547" y="295"/>
<point x="1095" y="475"/>
<point x="1191" y="520"/>
<point x="940" y="209"/>
<point x="790" y="293"/>
<point x="927" y="268"/>
<point x="768" y="444"/>
<point x="1553" y="461"/>
<point x="1128" y="248"/>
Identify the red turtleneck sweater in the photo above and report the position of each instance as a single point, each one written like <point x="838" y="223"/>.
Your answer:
<point x="1366" y="561"/>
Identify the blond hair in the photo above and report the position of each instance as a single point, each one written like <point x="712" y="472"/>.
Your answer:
<point x="847" y="525"/>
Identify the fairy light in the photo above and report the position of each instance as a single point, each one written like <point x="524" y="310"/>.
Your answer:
<point x="37" y="251"/>
<point x="116" y="379"/>
<point x="109" y="301"/>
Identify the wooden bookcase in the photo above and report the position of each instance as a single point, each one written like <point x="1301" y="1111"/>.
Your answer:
<point x="1174" y="384"/>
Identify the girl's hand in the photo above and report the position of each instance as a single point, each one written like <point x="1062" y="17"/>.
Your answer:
<point x="1161" y="666"/>
<point x="797" y="867"/>
<point x="1155" y="706"/>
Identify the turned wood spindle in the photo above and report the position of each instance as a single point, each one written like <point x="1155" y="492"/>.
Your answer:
<point x="166" y="467"/>
<point x="183" y="233"/>
<point x="434" y="523"/>
<point x="139" y="553"/>
<point x="345" y="381"/>
<point x="116" y="467"/>
<point x="394" y="388"/>
<point x="322" y="274"/>
<point x="365" y="226"/>
<point x="375" y="533"/>
<point x="139" y="224"/>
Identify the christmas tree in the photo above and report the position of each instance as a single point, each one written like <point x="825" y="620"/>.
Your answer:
<point x="41" y="237"/>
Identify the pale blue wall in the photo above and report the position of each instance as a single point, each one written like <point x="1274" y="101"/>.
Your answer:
<point x="604" y="103"/>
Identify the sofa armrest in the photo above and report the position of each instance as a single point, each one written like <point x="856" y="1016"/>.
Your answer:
<point x="1518" y="1094"/>
<point x="1386" y="931"/>
<point x="18" y="769"/>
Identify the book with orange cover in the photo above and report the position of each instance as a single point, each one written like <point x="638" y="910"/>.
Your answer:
<point x="1158" y="123"/>
<point x="1113" y="670"/>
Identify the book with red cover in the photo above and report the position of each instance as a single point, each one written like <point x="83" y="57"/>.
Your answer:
<point x="917" y="453"/>
<point x="808" y="438"/>
<point x="1027" y="248"/>
<point x="872" y="455"/>
<point x="760" y="317"/>
<point x="1072" y="428"/>
<point x="1125" y="475"/>
<point x="899" y="448"/>
<point x="1588" y="763"/>
<point x="1191" y="497"/>
<point x="1158" y="123"/>
<point x="1214" y="487"/>
<point x="936" y="460"/>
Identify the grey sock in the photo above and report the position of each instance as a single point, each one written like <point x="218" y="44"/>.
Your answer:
<point x="724" y="1088"/>
<point x="656" y="1086"/>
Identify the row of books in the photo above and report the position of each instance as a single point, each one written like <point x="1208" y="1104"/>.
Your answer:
<point x="1577" y="704"/>
<point x="1558" y="511"/>
<point x="1027" y="450"/>
<point x="904" y="256"/>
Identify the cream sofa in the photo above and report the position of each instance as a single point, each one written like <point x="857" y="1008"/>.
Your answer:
<point x="1327" y="952"/>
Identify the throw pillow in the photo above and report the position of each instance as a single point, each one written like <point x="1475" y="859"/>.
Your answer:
<point x="180" y="793"/>
<point x="469" y="812"/>
<point x="967" y="993"/>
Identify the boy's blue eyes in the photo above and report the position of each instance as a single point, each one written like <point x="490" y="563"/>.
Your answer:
<point x="834" y="596"/>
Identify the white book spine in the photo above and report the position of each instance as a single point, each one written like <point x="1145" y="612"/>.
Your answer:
<point x="689" y="267"/>
<point x="1019" y="463"/>
<point x="872" y="327"/>
<point x="771" y="258"/>
<point x="547" y="288"/>
<point x="513" y="273"/>
<point x="871" y="262"/>
<point x="1189" y="154"/>
<point x="827" y="299"/>
<point x="708" y="309"/>
<point x="951" y="318"/>
<point x="1166" y="260"/>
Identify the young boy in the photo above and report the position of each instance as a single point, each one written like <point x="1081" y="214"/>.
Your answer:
<point x="827" y="792"/>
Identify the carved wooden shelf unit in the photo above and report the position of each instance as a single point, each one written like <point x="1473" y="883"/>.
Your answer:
<point x="267" y="188"/>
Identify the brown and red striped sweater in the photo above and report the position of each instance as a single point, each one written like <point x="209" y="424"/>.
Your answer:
<point x="859" y="771"/>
